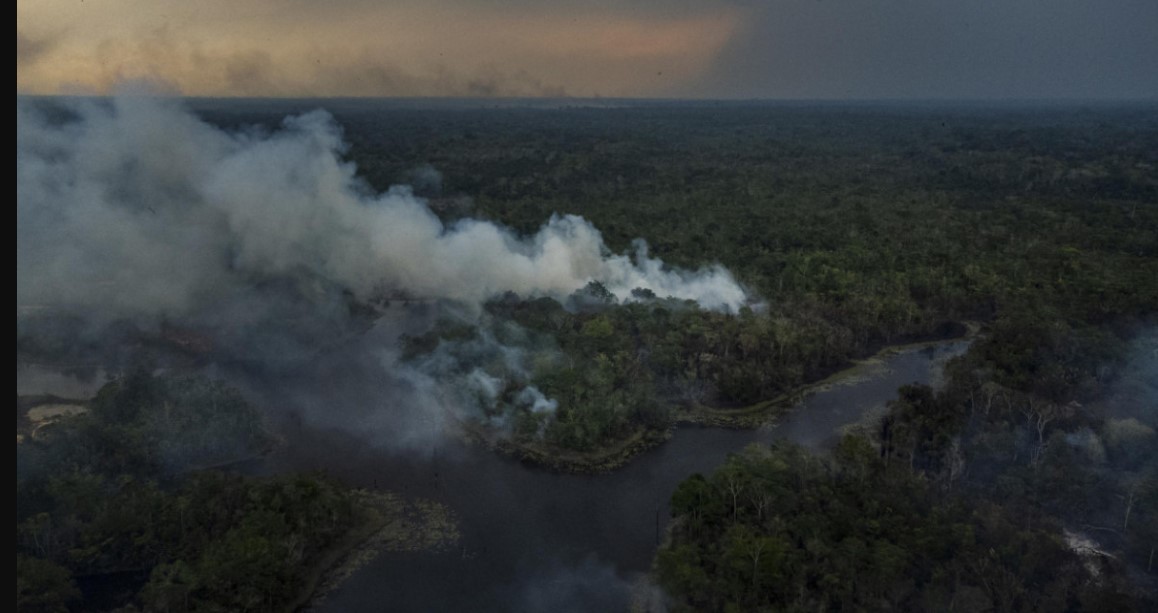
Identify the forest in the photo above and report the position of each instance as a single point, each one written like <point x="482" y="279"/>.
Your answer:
<point x="852" y="227"/>
<point x="855" y="226"/>
<point x="976" y="497"/>
<point x="116" y="507"/>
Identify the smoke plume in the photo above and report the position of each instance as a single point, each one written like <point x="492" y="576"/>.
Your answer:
<point x="135" y="207"/>
<point x="134" y="212"/>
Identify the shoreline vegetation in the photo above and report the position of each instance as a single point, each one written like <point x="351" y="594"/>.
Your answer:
<point x="393" y="523"/>
<point x="619" y="453"/>
<point x="204" y="533"/>
<point x="972" y="493"/>
<point x="765" y="412"/>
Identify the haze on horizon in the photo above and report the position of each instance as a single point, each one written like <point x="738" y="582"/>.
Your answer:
<point x="785" y="49"/>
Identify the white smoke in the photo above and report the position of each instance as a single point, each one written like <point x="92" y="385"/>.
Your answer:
<point x="480" y="381"/>
<point x="480" y="376"/>
<point x="536" y="400"/>
<point x="135" y="207"/>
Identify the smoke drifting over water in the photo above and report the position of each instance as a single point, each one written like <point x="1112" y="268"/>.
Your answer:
<point x="137" y="208"/>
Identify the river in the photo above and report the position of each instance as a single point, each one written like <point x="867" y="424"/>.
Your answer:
<point x="534" y="540"/>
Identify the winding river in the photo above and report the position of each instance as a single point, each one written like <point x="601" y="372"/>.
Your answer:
<point x="534" y="540"/>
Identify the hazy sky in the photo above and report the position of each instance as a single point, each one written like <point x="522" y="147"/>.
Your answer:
<point x="686" y="48"/>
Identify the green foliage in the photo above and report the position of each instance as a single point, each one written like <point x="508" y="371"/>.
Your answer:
<point x="886" y="222"/>
<point x="106" y="500"/>
<point x="143" y="424"/>
<point x="43" y="587"/>
<point x="855" y="227"/>
<point x="217" y="541"/>
<point x="1068" y="433"/>
<point x="779" y="529"/>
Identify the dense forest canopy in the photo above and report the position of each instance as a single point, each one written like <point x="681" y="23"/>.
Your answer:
<point x="851" y="227"/>
<point x="118" y="499"/>
<point x="854" y="226"/>
<point x="780" y="530"/>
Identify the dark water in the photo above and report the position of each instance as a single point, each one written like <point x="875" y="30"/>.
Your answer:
<point x="538" y="541"/>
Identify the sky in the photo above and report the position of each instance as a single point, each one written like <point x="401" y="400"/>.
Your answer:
<point x="777" y="49"/>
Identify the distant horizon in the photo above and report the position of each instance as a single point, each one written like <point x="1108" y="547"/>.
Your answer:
<point x="964" y="101"/>
<point x="649" y="49"/>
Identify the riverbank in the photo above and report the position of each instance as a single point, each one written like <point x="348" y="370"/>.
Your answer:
<point x="764" y="412"/>
<point x="537" y="539"/>
<point x="392" y="523"/>
<point x="602" y="460"/>
<point x="619" y="453"/>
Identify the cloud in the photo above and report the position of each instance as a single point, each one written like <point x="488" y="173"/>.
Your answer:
<point x="375" y="49"/>
<point x="191" y="68"/>
<point x="29" y="50"/>
<point x="711" y="48"/>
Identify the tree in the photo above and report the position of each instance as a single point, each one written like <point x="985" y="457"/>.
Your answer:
<point x="170" y="588"/>
<point x="42" y="586"/>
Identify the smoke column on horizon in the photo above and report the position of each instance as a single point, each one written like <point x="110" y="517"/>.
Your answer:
<point x="136" y="208"/>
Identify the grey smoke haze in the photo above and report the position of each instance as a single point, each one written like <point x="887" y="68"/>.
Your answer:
<point x="132" y="210"/>
<point x="1133" y="395"/>
<point x="485" y="376"/>
<point x="137" y="208"/>
<point x="425" y="180"/>
<point x="897" y="49"/>
<point x="38" y="380"/>
<point x="578" y="587"/>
